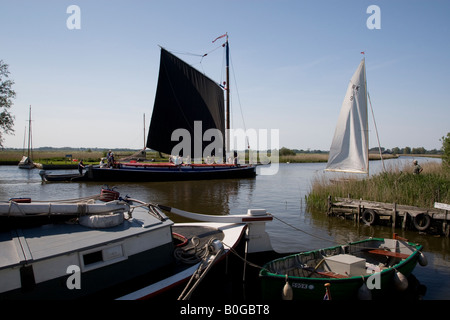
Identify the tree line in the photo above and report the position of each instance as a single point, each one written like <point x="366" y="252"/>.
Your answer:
<point x="408" y="150"/>
<point x="399" y="151"/>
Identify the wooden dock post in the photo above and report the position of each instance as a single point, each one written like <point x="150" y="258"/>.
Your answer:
<point x="405" y="217"/>
<point x="394" y="215"/>
<point x="445" y="225"/>
<point x="359" y="213"/>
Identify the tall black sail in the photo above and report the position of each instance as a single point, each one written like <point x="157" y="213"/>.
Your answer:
<point x="184" y="96"/>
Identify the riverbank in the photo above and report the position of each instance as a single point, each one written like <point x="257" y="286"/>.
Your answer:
<point x="396" y="185"/>
<point x="69" y="157"/>
<point x="323" y="157"/>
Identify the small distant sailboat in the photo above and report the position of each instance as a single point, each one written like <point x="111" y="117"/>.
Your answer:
<point x="26" y="162"/>
<point x="349" y="150"/>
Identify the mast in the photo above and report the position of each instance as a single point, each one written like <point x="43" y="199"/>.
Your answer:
<point x="29" y="134"/>
<point x="144" y="135"/>
<point x="374" y="123"/>
<point x="227" y="69"/>
<point x="367" y="116"/>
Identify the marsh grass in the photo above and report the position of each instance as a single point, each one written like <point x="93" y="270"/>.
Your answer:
<point x="59" y="156"/>
<point x="397" y="184"/>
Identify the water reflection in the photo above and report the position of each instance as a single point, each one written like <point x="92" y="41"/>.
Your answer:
<point x="205" y="196"/>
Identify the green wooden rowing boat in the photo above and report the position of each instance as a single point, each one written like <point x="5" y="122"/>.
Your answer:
<point x="359" y="270"/>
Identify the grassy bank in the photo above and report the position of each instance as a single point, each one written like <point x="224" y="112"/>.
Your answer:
<point x="396" y="185"/>
<point x="12" y="157"/>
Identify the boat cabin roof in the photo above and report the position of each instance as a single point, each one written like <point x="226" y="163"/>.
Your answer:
<point x="26" y="245"/>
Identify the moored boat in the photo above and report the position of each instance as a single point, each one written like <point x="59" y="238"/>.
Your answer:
<point x="47" y="177"/>
<point x="27" y="162"/>
<point x="167" y="172"/>
<point x="359" y="270"/>
<point x="190" y="121"/>
<point x="118" y="248"/>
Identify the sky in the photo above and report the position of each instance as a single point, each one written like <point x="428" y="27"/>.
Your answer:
<point x="92" y="86"/>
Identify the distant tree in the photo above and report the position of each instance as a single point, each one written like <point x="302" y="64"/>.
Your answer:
<point x="6" y="96"/>
<point x="286" y="152"/>
<point x="407" y="150"/>
<point x="446" y="150"/>
<point x="396" y="150"/>
<point x="420" y="150"/>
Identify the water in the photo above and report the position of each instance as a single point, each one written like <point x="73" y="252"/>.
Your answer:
<point x="293" y="229"/>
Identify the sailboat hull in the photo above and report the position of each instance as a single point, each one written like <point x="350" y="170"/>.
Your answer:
<point x="26" y="163"/>
<point x="169" y="173"/>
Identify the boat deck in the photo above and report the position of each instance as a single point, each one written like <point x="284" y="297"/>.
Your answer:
<point x="20" y="246"/>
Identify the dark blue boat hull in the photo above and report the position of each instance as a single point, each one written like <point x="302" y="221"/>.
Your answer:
<point x="169" y="173"/>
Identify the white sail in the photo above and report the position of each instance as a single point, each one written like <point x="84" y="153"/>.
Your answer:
<point x="349" y="149"/>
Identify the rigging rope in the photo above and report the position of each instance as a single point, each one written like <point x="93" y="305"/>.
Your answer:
<point x="239" y="101"/>
<point x="208" y="259"/>
<point x="298" y="229"/>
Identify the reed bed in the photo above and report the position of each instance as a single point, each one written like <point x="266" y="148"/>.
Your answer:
<point x="304" y="158"/>
<point x="397" y="184"/>
<point x="59" y="156"/>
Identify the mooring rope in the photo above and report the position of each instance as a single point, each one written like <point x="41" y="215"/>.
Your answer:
<point x="202" y="269"/>
<point x="75" y="200"/>
<point x="308" y="233"/>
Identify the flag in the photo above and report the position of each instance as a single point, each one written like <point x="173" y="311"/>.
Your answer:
<point x="224" y="35"/>
<point x="362" y="52"/>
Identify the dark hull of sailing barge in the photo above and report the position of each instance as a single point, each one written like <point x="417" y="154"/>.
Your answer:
<point x="169" y="173"/>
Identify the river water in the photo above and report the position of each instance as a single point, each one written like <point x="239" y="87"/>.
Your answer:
<point x="282" y="194"/>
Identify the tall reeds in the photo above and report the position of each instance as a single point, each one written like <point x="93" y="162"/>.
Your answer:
<point x="397" y="185"/>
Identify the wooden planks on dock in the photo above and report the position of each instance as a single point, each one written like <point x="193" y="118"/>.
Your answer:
<point x="421" y="218"/>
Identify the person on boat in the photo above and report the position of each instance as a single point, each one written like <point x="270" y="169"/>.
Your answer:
<point x="110" y="159"/>
<point x="417" y="168"/>
<point x="81" y="166"/>
<point x="102" y="163"/>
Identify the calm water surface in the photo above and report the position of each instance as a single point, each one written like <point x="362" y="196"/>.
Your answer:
<point x="283" y="195"/>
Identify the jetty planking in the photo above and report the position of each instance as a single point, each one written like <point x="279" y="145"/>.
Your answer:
<point x="430" y="220"/>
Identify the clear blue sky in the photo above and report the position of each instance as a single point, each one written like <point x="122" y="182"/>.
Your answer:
<point x="292" y="61"/>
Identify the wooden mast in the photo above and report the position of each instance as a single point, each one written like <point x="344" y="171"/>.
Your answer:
<point x="29" y="135"/>
<point x="227" y="68"/>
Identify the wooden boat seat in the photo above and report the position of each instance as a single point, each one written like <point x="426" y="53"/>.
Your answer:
<point x="389" y="253"/>
<point x="330" y="274"/>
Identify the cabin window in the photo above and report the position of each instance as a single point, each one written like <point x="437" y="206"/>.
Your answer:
<point x="99" y="257"/>
<point x="92" y="257"/>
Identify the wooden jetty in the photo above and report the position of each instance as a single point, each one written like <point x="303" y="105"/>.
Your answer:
<point x="429" y="220"/>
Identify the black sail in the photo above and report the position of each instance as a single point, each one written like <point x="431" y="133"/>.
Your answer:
<point x="184" y="96"/>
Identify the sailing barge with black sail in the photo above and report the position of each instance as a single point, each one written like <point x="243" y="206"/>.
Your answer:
<point x="189" y="107"/>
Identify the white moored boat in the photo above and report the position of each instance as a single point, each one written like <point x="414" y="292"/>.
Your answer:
<point x="61" y="250"/>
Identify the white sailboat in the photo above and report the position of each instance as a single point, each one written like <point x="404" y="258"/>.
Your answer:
<point x="349" y="148"/>
<point x="26" y="162"/>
